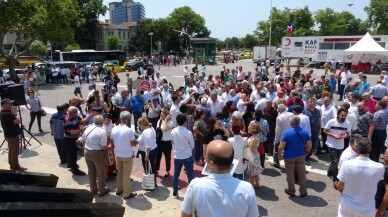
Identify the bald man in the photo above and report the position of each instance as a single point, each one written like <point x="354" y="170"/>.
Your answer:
<point x="219" y="194"/>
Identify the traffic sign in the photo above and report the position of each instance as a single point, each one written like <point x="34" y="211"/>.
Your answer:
<point x="145" y="85"/>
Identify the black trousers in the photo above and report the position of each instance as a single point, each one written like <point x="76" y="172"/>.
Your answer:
<point x="378" y="140"/>
<point x="71" y="149"/>
<point x="48" y="78"/>
<point x="64" y="78"/>
<point x="154" y="121"/>
<point x="34" y="115"/>
<point x="335" y="155"/>
<point x="61" y="150"/>
<point x="164" y="148"/>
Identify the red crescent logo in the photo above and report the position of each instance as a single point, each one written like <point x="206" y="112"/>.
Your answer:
<point x="288" y="42"/>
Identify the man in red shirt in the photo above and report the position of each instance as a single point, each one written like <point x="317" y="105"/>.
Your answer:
<point x="370" y="104"/>
<point x="308" y="75"/>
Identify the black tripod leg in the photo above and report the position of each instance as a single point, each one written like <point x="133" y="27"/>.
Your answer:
<point x="32" y="137"/>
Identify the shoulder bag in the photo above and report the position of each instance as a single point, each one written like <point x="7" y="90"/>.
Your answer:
<point x="148" y="179"/>
<point x="304" y="143"/>
<point x="248" y="156"/>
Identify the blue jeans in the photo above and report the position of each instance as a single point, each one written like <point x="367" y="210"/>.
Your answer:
<point x="315" y="144"/>
<point x="136" y="116"/>
<point x="189" y="166"/>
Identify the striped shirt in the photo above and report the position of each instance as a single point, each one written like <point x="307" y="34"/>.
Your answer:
<point x="264" y="127"/>
<point x="381" y="119"/>
<point x="379" y="91"/>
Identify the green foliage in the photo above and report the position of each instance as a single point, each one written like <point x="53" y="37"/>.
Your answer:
<point x="180" y="18"/>
<point x="72" y="46"/>
<point x="38" y="48"/>
<point x="232" y="43"/>
<point x="378" y="16"/>
<point x="85" y="33"/>
<point x="112" y="42"/>
<point x="249" y="41"/>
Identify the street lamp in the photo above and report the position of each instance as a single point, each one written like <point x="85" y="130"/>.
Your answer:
<point x="151" y="34"/>
<point x="270" y="25"/>
<point x="350" y="7"/>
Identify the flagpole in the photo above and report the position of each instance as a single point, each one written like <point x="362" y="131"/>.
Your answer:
<point x="270" y="25"/>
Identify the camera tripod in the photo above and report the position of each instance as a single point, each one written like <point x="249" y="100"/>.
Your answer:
<point x="23" y="141"/>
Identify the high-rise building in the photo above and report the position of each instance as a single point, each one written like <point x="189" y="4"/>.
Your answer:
<point x="126" y="11"/>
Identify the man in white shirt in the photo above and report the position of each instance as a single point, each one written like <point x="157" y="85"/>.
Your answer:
<point x="358" y="180"/>
<point x="91" y="91"/>
<point x="95" y="139"/>
<point x="242" y="103"/>
<point x="183" y="141"/>
<point x="174" y="110"/>
<point x="77" y="85"/>
<point x="328" y="112"/>
<point x="351" y="151"/>
<point x="337" y="129"/>
<point x="120" y="137"/>
<point x="166" y="96"/>
<point x="344" y="77"/>
<point x="304" y="119"/>
<point x="262" y="103"/>
<point x="216" y="105"/>
<point x="220" y="194"/>
<point x="225" y="96"/>
<point x="116" y="98"/>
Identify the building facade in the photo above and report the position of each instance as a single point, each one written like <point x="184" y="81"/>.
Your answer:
<point x="106" y="28"/>
<point x="126" y="11"/>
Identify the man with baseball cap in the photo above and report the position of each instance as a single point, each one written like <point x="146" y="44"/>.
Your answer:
<point x="10" y="124"/>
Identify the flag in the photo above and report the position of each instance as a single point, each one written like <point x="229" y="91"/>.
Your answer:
<point x="290" y="28"/>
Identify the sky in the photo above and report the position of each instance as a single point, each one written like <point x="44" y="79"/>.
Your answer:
<point x="227" y="18"/>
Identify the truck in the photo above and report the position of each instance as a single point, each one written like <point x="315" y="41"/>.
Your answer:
<point x="261" y="53"/>
<point x="321" y="49"/>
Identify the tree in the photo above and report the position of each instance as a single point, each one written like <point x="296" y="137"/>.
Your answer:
<point x="138" y="39"/>
<point x="343" y="23"/>
<point x="232" y="43"/>
<point x="38" y="48"/>
<point x="378" y="16"/>
<point x="112" y="42"/>
<point x="85" y="33"/>
<point x="220" y="44"/>
<point x="303" y="21"/>
<point x="249" y="41"/>
<point x="72" y="46"/>
<point x="43" y="20"/>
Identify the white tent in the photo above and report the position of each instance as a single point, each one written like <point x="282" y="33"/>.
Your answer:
<point x="367" y="45"/>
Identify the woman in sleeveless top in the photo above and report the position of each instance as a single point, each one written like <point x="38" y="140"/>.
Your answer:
<point x="254" y="168"/>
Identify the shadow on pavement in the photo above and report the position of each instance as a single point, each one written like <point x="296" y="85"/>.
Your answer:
<point x="161" y="193"/>
<point x="263" y="211"/>
<point x="29" y="152"/>
<point x="139" y="202"/>
<point x="310" y="201"/>
<point x="266" y="193"/>
<point x="271" y="172"/>
<point x="318" y="186"/>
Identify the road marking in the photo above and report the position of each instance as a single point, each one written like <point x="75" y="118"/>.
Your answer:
<point x="178" y="76"/>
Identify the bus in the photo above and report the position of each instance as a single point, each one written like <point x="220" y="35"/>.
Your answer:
<point x="86" y="57"/>
<point x="320" y="49"/>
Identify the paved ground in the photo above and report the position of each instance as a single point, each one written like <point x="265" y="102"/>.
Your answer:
<point x="272" y="201"/>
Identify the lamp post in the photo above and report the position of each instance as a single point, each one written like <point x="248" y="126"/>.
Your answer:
<point x="350" y="7"/>
<point x="151" y="34"/>
<point x="270" y="25"/>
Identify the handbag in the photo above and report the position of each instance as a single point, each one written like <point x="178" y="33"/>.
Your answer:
<point x="247" y="152"/>
<point x="43" y="113"/>
<point x="148" y="179"/>
<point x="261" y="149"/>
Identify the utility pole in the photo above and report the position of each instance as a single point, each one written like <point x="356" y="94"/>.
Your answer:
<point x="270" y="25"/>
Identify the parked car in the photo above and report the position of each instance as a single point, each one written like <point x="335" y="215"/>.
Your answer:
<point x="134" y="66"/>
<point x="116" y="67"/>
<point x="19" y="73"/>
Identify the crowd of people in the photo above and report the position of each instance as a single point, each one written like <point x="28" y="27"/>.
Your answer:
<point x="290" y="116"/>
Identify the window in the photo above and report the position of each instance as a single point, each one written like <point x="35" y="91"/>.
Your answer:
<point x="341" y="45"/>
<point x="382" y="44"/>
<point x="298" y="44"/>
<point x="326" y="46"/>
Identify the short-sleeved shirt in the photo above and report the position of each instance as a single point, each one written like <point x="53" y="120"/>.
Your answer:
<point x="336" y="128"/>
<point x="137" y="104"/>
<point x="314" y="117"/>
<point x="57" y="122"/>
<point x="219" y="195"/>
<point x="71" y="124"/>
<point x="10" y="129"/>
<point x="364" y="119"/>
<point x="295" y="145"/>
<point x="148" y="137"/>
<point x="33" y="102"/>
<point x="360" y="177"/>
<point x="381" y="119"/>
<point x="122" y="136"/>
